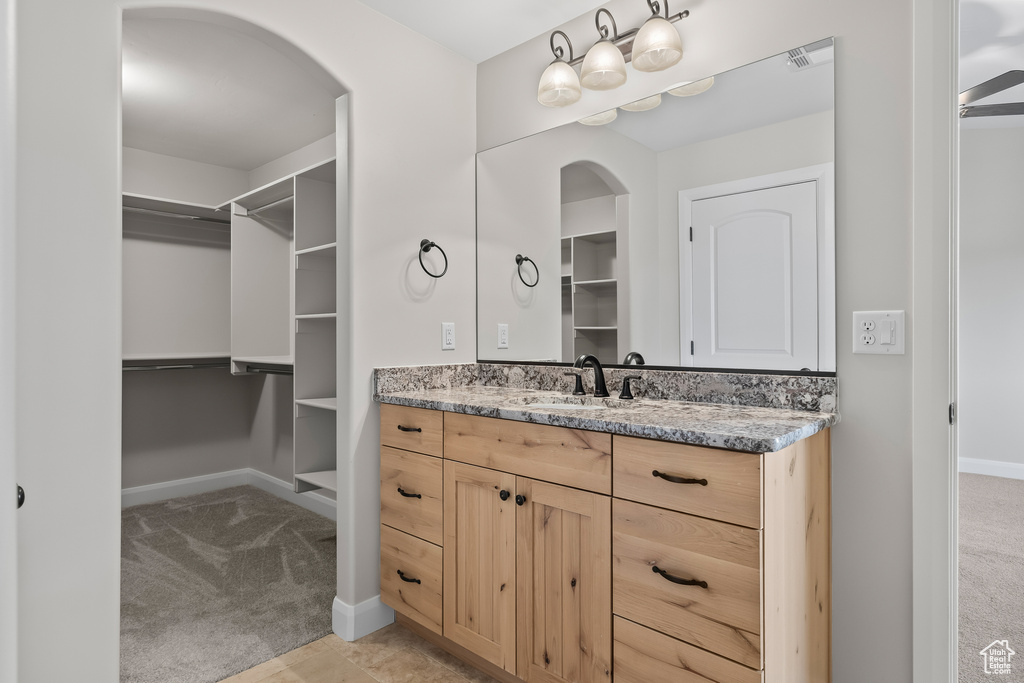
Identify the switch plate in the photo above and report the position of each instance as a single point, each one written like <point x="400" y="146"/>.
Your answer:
<point x="447" y="336"/>
<point x="502" y="335"/>
<point x="880" y="332"/>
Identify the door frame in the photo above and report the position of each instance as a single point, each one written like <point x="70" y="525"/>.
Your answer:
<point x="932" y="335"/>
<point x="823" y="175"/>
<point x="8" y="423"/>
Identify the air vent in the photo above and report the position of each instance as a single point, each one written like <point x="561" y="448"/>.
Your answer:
<point x="808" y="56"/>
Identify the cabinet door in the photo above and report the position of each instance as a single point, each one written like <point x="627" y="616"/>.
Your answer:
<point x="479" y="562"/>
<point x="563" y="546"/>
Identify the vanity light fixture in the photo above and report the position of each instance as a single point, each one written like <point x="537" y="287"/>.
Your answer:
<point x="559" y="84"/>
<point x="694" y="88"/>
<point x="604" y="67"/>
<point x="652" y="47"/>
<point x="600" y="119"/>
<point x="645" y="104"/>
<point x="657" y="45"/>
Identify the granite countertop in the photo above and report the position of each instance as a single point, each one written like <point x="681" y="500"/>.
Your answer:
<point x="741" y="428"/>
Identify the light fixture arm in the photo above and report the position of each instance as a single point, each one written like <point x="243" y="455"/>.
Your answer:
<point x="557" y="51"/>
<point x="602" y="29"/>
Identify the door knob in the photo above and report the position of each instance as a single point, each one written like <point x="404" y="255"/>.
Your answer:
<point x="21" y="496"/>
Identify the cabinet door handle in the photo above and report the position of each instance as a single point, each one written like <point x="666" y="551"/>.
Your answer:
<point x="679" y="480"/>
<point x="675" y="579"/>
<point x="21" y="496"/>
<point x="520" y="500"/>
<point x="503" y="494"/>
<point x="403" y="578"/>
<point x="410" y="429"/>
<point x="409" y="495"/>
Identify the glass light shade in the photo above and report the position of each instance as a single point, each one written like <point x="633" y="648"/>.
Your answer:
<point x="644" y="104"/>
<point x="604" y="67"/>
<point x="559" y="85"/>
<point x="695" y="88"/>
<point x="600" y="119"/>
<point x="657" y="45"/>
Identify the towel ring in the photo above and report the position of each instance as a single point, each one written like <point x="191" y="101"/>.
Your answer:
<point x="520" y="259"/>
<point x="427" y="245"/>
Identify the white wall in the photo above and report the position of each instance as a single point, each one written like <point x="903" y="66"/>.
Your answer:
<point x="411" y="177"/>
<point x="872" y="521"/>
<point x="165" y="177"/>
<point x="991" y="293"/>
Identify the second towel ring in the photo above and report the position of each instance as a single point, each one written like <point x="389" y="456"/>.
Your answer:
<point x="427" y="245"/>
<point x="520" y="259"/>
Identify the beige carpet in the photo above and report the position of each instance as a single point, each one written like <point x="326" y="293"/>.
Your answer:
<point x="216" y="583"/>
<point x="991" y="600"/>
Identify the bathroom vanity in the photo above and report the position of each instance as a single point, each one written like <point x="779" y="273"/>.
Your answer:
<point x="544" y="537"/>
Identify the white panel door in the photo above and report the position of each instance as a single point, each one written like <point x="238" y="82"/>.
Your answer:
<point x="755" y="299"/>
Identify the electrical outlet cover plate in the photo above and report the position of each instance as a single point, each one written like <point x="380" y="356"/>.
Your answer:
<point x="502" y="335"/>
<point x="447" y="336"/>
<point x="880" y="332"/>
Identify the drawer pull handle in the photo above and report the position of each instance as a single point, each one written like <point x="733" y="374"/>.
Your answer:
<point x="402" y="577"/>
<point x="409" y="495"/>
<point x="679" y="480"/>
<point x="675" y="579"/>
<point x="410" y="429"/>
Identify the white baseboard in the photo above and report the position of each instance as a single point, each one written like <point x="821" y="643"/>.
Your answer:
<point x="993" y="468"/>
<point x="352" y="622"/>
<point x="153" y="493"/>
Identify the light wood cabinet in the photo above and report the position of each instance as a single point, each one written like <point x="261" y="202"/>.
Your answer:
<point x="714" y="563"/>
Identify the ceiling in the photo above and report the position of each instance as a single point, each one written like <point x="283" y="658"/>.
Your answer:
<point x="480" y="30"/>
<point x="219" y="95"/>
<point x="991" y="43"/>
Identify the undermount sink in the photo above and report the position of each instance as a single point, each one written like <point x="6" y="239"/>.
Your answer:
<point x="562" y="402"/>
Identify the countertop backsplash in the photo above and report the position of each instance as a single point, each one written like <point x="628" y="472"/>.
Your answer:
<point x="794" y="392"/>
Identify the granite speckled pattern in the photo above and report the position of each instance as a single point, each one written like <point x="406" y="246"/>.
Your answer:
<point x="742" y="428"/>
<point x="797" y="392"/>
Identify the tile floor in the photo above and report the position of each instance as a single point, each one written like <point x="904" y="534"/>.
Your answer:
<point x="391" y="655"/>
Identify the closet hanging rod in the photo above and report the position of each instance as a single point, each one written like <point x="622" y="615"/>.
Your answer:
<point x="170" y="214"/>
<point x="271" y="205"/>
<point x="190" y="366"/>
<point x="267" y="371"/>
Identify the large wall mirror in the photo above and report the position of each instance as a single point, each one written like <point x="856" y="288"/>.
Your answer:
<point x="698" y="233"/>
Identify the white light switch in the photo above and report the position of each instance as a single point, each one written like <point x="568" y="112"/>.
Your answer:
<point x="502" y="335"/>
<point x="881" y="332"/>
<point x="447" y="336"/>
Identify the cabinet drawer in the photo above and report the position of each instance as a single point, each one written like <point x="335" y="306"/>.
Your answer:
<point x="572" y="457"/>
<point x="412" y="429"/>
<point x="411" y="493"/>
<point x="646" y="656"/>
<point x="418" y="595"/>
<point x="732" y="492"/>
<point x="724" y="616"/>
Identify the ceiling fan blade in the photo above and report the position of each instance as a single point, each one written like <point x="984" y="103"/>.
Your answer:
<point x="1010" y="109"/>
<point x="992" y="86"/>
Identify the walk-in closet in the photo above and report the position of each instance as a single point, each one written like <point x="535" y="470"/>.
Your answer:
<point x="231" y="199"/>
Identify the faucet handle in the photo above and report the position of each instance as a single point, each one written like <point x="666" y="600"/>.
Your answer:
<point x="578" y="389"/>
<point x="626" y="393"/>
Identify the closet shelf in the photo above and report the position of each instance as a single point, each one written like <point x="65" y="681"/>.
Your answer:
<point x="594" y="327"/>
<point x="324" y="403"/>
<point x="173" y="356"/>
<point x="326" y="479"/>
<point x="264" y="360"/>
<point x="322" y="250"/>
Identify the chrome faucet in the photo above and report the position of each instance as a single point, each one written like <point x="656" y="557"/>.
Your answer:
<point x="633" y="357"/>
<point x="600" y="390"/>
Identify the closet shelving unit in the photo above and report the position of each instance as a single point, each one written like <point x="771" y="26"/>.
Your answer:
<point x="253" y="287"/>
<point x="590" y="295"/>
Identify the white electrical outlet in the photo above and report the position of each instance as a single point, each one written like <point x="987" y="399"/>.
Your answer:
<point x="502" y="335"/>
<point x="447" y="336"/>
<point x="881" y="332"/>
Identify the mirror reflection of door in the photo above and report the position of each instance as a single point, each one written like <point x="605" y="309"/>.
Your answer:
<point x="754" y="276"/>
